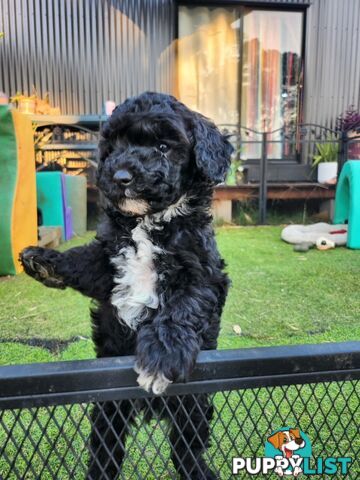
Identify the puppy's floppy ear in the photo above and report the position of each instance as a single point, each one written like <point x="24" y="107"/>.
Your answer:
<point x="275" y="440"/>
<point x="212" y="150"/>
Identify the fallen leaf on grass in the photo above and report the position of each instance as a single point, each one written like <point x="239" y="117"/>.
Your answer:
<point x="237" y="329"/>
<point x="292" y="327"/>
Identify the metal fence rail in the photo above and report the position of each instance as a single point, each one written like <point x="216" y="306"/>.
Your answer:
<point x="46" y="413"/>
<point x="293" y="144"/>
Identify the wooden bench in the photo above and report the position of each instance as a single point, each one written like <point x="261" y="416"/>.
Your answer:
<point x="224" y="195"/>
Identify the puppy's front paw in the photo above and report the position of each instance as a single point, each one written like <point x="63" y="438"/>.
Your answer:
<point x="34" y="263"/>
<point x="157" y="383"/>
<point x="39" y="267"/>
<point x="164" y="355"/>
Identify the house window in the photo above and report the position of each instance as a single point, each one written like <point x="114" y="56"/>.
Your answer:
<point x="241" y="66"/>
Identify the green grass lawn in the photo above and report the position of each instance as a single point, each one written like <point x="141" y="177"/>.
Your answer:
<point x="277" y="297"/>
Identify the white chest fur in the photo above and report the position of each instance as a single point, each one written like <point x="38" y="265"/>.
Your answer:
<point x="135" y="279"/>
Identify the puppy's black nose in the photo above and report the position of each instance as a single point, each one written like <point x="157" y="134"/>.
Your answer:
<point x="123" y="177"/>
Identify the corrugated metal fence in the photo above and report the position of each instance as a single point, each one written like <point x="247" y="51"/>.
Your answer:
<point x="86" y="51"/>
<point x="332" y="67"/>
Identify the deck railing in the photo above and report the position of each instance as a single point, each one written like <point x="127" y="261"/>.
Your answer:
<point x="290" y="144"/>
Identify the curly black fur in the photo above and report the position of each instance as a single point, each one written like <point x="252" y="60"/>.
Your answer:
<point x="158" y="164"/>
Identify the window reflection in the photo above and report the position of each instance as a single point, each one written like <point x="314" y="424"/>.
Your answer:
<point x="271" y="65"/>
<point x="241" y="66"/>
<point x="208" y="62"/>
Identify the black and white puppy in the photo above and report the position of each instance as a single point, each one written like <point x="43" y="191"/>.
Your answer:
<point x="153" y="268"/>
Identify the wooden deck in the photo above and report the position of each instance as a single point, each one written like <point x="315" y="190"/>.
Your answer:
<point x="277" y="191"/>
<point x="224" y="195"/>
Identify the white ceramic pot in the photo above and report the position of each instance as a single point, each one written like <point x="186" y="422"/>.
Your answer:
<point x="326" y="171"/>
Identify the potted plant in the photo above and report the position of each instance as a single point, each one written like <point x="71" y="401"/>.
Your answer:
<point x="349" y="122"/>
<point x="326" y="161"/>
<point x="235" y="174"/>
<point x="24" y="103"/>
<point x="34" y="104"/>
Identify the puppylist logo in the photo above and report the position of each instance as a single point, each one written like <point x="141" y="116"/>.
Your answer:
<point x="288" y="453"/>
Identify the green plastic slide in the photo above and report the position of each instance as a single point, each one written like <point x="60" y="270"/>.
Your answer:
<point x="347" y="201"/>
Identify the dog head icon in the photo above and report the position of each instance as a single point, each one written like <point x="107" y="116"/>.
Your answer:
<point x="287" y="441"/>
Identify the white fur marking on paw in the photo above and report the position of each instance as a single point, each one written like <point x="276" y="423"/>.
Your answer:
<point x="160" y="384"/>
<point x="145" y="381"/>
<point x="157" y="383"/>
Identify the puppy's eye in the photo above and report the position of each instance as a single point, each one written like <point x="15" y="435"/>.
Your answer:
<point x="163" y="147"/>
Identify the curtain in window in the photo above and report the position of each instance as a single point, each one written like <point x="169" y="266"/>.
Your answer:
<point x="208" y="62"/>
<point x="270" y="72"/>
<point x="241" y="57"/>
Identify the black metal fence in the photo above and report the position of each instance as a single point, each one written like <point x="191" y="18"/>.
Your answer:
<point x="238" y="396"/>
<point x="289" y="146"/>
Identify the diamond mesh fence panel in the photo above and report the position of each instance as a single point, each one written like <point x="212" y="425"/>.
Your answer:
<point x="166" y="437"/>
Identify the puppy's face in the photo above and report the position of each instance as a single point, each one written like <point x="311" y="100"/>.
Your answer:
<point x="145" y="164"/>
<point x="153" y="150"/>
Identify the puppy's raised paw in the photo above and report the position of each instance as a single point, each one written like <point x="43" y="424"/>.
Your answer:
<point x="35" y="264"/>
<point x="155" y="383"/>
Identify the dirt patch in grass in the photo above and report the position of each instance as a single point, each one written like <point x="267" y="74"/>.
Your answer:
<point x="54" y="346"/>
